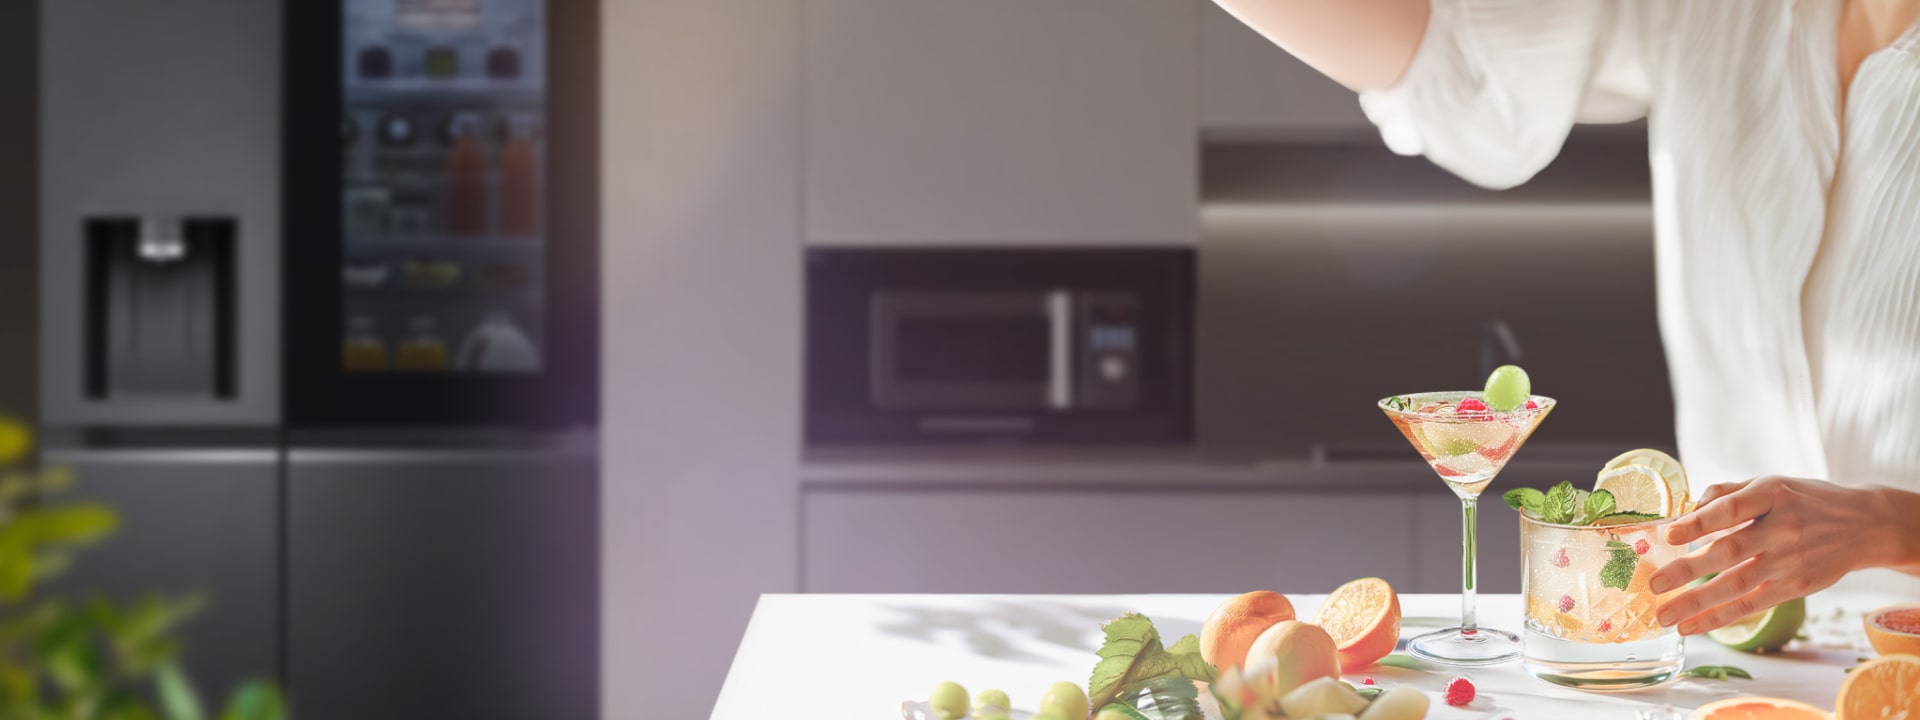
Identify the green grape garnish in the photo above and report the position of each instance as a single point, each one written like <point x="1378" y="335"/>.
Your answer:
<point x="1507" y="388"/>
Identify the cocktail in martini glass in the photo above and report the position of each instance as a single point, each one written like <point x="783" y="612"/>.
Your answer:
<point x="1467" y="437"/>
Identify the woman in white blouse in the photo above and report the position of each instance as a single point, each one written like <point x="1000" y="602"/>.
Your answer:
<point x="1785" y="149"/>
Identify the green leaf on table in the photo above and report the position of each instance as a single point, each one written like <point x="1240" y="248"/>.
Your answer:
<point x="1165" y="698"/>
<point x="1132" y="655"/>
<point x="1718" y="672"/>
<point x="177" y="694"/>
<point x="1124" y="709"/>
<point x="1621" y="562"/>
<point x="1599" y="504"/>
<point x="1558" y="508"/>
<point x="1526" y="500"/>
<point x="1403" y="661"/>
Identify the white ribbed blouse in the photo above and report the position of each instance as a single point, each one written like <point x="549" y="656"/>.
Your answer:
<point x="1787" y="238"/>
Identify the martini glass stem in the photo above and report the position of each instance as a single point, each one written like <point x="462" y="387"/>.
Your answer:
<point x="1469" y="547"/>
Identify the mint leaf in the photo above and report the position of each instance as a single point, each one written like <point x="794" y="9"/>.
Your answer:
<point x="1624" y="518"/>
<point x="1718" y="672"/>
<point x="1621" y="562"/>
<point x="1599" y="505"/>
<point x="1526" y="500"/>
<point x="1132" y="655"/>
<point x="1558" y="508"/>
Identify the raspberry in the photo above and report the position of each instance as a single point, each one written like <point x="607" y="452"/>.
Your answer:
<point x="1560" y="558"/>
<point x="1531" y="405"/>
<point x="1640" y="547"/>
<point x="1605" y="625"/>
<point x="1367" y="681"/>
<point x="1566" y="603"/>
<point x="1470" y="405"/>
<point x="1459" y="691"/>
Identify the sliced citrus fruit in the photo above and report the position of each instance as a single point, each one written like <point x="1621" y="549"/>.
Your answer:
<point x="1895" y="629"/>
<point x="1765" y="631"/>
<point x="1637" y="489"/>
<point x="1363" y="616"/>
<point x="1758" y="708"/>
<point x="1669" y="468"/>
<point x="1884" y="687"/>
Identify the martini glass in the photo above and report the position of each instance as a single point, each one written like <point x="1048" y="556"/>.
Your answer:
<point x="1466" y="449"/>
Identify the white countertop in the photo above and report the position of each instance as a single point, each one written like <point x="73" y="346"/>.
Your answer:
<point x="856" y="657"/>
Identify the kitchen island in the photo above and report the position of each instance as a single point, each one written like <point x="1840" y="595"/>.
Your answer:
<point x="857" y="657"/>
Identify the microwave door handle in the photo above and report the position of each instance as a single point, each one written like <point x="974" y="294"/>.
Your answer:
<point x="1060" y="369"/>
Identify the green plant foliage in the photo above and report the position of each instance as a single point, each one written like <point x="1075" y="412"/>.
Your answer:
<point x="89" y="659"/>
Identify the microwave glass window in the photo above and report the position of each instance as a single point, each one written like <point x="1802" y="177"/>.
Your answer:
<point x="972" y="349"/>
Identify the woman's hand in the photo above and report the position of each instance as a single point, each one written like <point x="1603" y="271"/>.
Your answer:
<point x="1789" y="537"/>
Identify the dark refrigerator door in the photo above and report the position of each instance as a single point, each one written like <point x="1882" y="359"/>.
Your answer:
<point x="441" y="236"/>
<point x="442" y="584"/>
<point x="192" y="522"/>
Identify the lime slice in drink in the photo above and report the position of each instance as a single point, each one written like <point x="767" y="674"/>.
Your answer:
<point x="1765" y="631"/>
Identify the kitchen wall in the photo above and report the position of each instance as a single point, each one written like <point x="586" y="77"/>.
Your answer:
<point x="19" y="199"/>
<point x="701" y="335"/>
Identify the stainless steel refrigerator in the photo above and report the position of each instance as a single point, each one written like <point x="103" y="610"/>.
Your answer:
<point x="320" y="317"/>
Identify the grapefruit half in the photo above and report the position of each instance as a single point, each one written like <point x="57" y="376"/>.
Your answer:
<point x="1363" y="617"/>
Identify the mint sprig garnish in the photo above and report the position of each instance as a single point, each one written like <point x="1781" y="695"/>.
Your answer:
<point x="1526" y="500"/>
<point x="1599" y="505"/>
<point x="1558" y="507"/>
<point x="1621" y="562"/>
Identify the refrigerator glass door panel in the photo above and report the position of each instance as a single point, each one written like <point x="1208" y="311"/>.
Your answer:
<point x="442" y="583"/>
<point x="440" y="206"/>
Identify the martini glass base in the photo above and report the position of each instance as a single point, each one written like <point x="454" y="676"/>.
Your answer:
<point x="1459" y="646"/>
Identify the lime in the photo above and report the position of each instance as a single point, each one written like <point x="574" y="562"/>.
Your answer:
<point x="1507" y="388"/>
<point x="1765" y="631"/>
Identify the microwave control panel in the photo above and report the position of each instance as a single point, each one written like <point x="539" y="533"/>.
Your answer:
<point x="1107" y="356"/>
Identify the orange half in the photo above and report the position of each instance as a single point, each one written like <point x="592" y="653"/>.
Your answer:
<point x="1881" y="688"/>
<point x="1758" y="708"/>
<point x="1363" y="616"/>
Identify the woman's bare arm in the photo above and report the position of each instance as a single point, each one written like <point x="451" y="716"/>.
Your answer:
<point x="1362" y="44"/>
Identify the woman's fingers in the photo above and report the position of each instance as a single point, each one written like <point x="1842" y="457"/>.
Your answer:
<point x="1768" y="594"/>
<point x="1722" y="589"/>
<point x="1715" y="491"/>
<point x="1722" y="512"/>
<point x="1717" y="556"/>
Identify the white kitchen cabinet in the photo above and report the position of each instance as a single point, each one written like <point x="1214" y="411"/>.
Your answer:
<point x="1001" y="122"/>
<point x="1110" y="541"/>
<point x="1252" y="89"/>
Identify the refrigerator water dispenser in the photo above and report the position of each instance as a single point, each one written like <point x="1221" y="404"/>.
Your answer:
<point x="160" y="308"/>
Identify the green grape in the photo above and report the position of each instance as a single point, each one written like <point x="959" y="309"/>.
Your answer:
<point x="1507" y="388"/>
<point x="990" y="702"/>
<point x="1066" y="700"/>
<point x="949" y="701"/>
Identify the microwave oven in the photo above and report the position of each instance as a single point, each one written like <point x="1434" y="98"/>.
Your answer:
<point x="1001" y="345"/>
